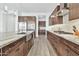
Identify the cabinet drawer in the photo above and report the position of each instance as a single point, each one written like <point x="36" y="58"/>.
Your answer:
<point x="11" y="47"/>
<point x="71" y="45"/>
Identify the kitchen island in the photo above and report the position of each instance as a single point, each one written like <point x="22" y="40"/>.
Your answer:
<point x="64" y="44"/>
<point x="16" y="44"/>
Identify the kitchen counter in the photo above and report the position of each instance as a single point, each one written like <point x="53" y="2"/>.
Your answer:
<point x="7" y="38"/>
<point x="68" y="37"/>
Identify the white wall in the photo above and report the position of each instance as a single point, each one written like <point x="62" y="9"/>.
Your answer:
<point x="1" y="21"/>
<point x="74" y="22"/>
<point x="11" y="23"/>
<point x="7" y="21"/>
<point x="16" y="22"/>
<point x="47" y="22"/>
<point x="65" y="18"/>
<point x="3" y="17"/>
<point x="4" y="21"/>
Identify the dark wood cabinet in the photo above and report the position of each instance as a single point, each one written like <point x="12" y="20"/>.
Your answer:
<point x="54" y="18"/>
<point x="29" y="21"/>
<point x="26" y="18"/>
<point x="21" y="47"/>
<point x="17" y="51"/>
<point x="41" y="23"/>
<point x="73" y="11"/>
<point x="15" y="48"/>
<point x="30" y="42"/>
<point x="62" y="46"/>
<point x="41" y="27"/>
<point x="25" y="49"/>
<point x="0" y="52"/>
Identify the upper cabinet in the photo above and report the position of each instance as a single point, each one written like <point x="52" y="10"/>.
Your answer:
<point x="73" y="11"/>
<point x="64" y="13"/>
<point x="57" y="16"/>
<point x="26" y="23"/>
<point x="26" y="18"/>
<point x="54" y="18"/>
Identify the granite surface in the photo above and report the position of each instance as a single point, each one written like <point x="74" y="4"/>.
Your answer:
<point x="7" y="38"/>
<point x="68" y="37"/>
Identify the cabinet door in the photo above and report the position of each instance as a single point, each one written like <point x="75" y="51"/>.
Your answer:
<point x="17" y="51"/>
<point x="20" y="49"/>
<point x="72" y="49"/>
<point x="29" y="44"/>
<point x="59" y="46"/>
<point x="63" y="50"/>
<point x="13" y="53"/>
<point x="25" y="50"/>
<point x="73" y="11"/>
<point x="0" y="52"/>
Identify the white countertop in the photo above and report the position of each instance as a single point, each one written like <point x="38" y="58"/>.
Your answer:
<point x="7" y="38"/>
<point x="68" y="37"/>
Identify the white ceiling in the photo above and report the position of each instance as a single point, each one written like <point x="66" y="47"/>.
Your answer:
<point x="31" y="7"/>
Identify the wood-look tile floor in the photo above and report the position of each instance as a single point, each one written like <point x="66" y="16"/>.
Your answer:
<point x="41" y="47"/>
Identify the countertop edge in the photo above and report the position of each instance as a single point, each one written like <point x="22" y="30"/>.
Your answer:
<point x="73" y="41"/>
<point x="9" y="41"/>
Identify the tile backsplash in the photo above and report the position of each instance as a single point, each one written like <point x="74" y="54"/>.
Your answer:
<point x="66" y="27"/>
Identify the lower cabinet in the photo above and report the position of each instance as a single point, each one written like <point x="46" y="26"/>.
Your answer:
<point x="62" y="46"/>
<point x="20" y="47"/>
<point x="15" y="48"/>
<point x="30" y="42"/>
<point x="0" y="52"/>
<point x="25" y="50"/>
<point x="17" y="51"/>
<point x="20" y="50"/>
